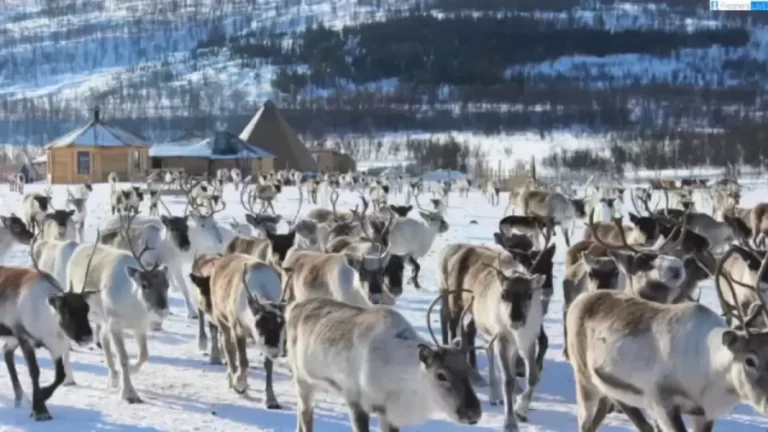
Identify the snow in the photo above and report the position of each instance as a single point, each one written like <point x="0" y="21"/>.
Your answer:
<point x="184" y="393"/>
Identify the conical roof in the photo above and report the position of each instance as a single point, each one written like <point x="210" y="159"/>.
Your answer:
<point x="98" y="134"/>
<point x="269" y="131"/>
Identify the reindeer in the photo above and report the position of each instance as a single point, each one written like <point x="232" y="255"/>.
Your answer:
<point x="554" y="207"/>
<point x="202" y="267"/>
<point x="412" y="239"/>
<point x="17" y="183"/>
<point x="112" y="179"/>
<point x="531" y="226"/>
<point x="507" y="309"/>
<point x="378" y="195"/>
<point x="704" y="370"/>
<point x="463" y="185"/>
<point x="738" y="285"/>
<point x="245" y="300"/>
<point x="756" y="218"/>
<point x="35" y="206"/>
<point x="130" y="297"/>
<point x="37" y="312"/>
<point x="411" y="381"/>
<point x="179" y="240"/>
<point x="13" y="230"/>
<point x="124" y="201"/>
<point x="59" y="225"/>
<point x="78" y="205"/>
<point x="237" y="178"/>
<point x="587" y="275"/>
<point x="492" y="191"/>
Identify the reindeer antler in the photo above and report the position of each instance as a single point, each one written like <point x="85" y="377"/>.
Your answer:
<point x="126" y="236"/>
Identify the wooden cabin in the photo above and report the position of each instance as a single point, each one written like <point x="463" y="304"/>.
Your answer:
<point x="202" y="154"/>
<point x="91" y="152"/>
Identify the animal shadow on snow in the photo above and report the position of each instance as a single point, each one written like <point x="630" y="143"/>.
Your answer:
<point x="64" y="418"/>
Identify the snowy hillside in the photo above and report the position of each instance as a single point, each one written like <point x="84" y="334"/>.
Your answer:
<point x="183" y="393"/>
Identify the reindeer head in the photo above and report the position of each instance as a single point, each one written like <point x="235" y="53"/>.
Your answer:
<point x="64" y="222"/>
<point x="43" y="202"/>
<point x="435" y="221"/>
<point x="263" y="223"/>
<point x="448" y="374"/>
<point x="646" y="225"/>
<point x="72" y="311"/>
<point x="268" y="318"/>
<point x="514" y="243"/>
<point x="178" y="229"/>
<point x="18" y="229"/>
<point x="203" y="284"/>
<point x="646" y="268"/>
<point x="749" y="348"/>
<point x="401" y="211"/>
<point x="519" y="292"/>
<point x="602" y="272"/>
<point x="752" y="259"/>
<point x="370" y="270"/>
<point x="153" y="285"/>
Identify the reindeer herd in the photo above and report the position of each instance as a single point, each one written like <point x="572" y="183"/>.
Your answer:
<point x="321" y="291"/>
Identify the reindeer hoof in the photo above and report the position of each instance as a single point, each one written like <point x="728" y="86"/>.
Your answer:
<point x="522" y="417"/>
<point x="69" y="383"/>
<point x="273" y="405"/>
<point x="133" y="399"/>
<point x="41" y="416"/>
<point x="192" y="315"/>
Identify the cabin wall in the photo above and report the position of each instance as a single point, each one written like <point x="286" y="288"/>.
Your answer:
<point x="62" y="164"/>
<point x="190" y="165"/>
<point x="263" y="165"/>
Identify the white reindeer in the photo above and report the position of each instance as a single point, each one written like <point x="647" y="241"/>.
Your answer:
<point x="113" y="179"/>
<point x="131" y="297"/>
<point x="401" y="377"/>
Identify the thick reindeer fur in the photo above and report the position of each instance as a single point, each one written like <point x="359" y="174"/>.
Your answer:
<point x="130" y="298"/>
<point x="609" y="232"/>
<point x="13" y="230"/>
<point x="36" y="312"/>
<point x="666" y="359"/>
<point x="35" y="206"/>
<point x="552" y="206"/>
<point x="245" y="297"/>
<point x="399" y="376"/>
<point x="53" y="257"/>
<point x="202" y="268"/>
<point x="342" y="276"/>
<point x="507" y="305"/>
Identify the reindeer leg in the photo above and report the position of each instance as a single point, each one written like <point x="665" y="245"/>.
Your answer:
<point x="271" y="399"/>
<point x="361" y="421"/>
<point x="141" y="340"/>
<point x="230" y="352"/>
<point x="543" y="343"/>
<point x="215" y="358"/>
<point x="128" y="393"/>
<point x="108" y="359"/>
<point x="202" y="338"/>
<point x="635" y="415"/>
<point x="444" y="320"/>
<point x="39" y="410"/>
<point x="10" y="363"/>
<point x="470" y="333"/>
<point x="592" y="408"/>
<point x="495" y="396"/>
<point x="506" y="355"/>
<point x="305" y="406"/>
<point x="532" y="378"/>
<point x="69" y="379"/>
<point x="415" y="274"/>
<point x="668" y="419"/>
<point x="566" y="236"/>
<point x="240" y="379"/>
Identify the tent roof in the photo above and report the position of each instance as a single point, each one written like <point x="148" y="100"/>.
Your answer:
<point x="269" y="130"/>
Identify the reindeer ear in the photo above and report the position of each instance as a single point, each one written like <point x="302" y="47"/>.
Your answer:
<point x="748" y="257"/>
<point x="426" y="355"/>
<point x="734" y="341"/>
<point x="55" y="301"/>
<point x="497" y="237"/>
<point x="133" y="273"/>
<point x="71" y="213"/>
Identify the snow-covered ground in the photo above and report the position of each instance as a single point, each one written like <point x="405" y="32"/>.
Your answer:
<point x="183" y="392"/>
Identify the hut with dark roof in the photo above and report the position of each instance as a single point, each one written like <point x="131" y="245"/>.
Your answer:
<point x="89" y="153"/>
<point x="200" y="154"/>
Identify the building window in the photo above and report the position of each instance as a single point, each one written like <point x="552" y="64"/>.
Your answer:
<point x="136" y="161"/>
<point x="84" y="163"/>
